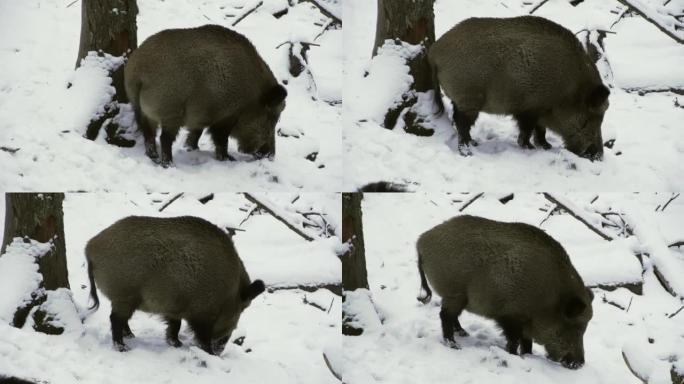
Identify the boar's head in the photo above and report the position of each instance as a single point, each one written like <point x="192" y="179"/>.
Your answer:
<point x="562" y="332"/>
<point x="228" y="319"/>
<point x="579" y="123"/>
<point x="255" y="129"/>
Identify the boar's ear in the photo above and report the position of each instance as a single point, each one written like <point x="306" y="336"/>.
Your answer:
<point x="274" y="96"/>
<point x="574" y="307"/>
<point x="253" y="290"/>
<point x="597" y="97"/>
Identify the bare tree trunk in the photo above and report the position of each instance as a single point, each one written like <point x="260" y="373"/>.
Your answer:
<point x="38" y="216"/>
<point x="354" y="273"/>
<point x="109" y="26"/>
<point x="411" y="21"/>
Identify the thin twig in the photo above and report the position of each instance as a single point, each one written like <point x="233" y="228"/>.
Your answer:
<point x="549" y="214"/>
<point x="675" y="314"/>
<point x="577" y="216"/>
<point x="674" y="196"/>
<point x="170" y="201"/>
<point x="678" y="243"/>
<point x="324" y="11"/>
<point x="337" y="375"/>
<point x="333" y="300"/>
<point x="72" y="3"/>
<point x="279" y="218"/>
<point x="464" y="206"/>
<point x="239" y="19"/>
<point x="537" y="6"/>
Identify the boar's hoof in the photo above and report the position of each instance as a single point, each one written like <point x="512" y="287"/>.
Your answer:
<point x="464" y="150"/>
<point x="462" y="333"/>
<point x="542" y="143"/>
<point x="151" y="152"/>
<point x="451" y="344"/>
<point x="121" y="347"/>
<point x="174" y="342"/>
<point x="525" y="143"/>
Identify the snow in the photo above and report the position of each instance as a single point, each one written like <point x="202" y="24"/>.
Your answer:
<point x="19" y="275"/>
<point x="406" y="345"/>
<point x="284" y="338"/>
<point x="646" y="128"/>
<point x="45" y="119"/>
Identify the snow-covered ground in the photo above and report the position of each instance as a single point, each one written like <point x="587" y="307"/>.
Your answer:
<point x="402" y="341"/>
<point x="285" y="337"/>
<point x="647" y="129"/>
<point x="42" y="120"/>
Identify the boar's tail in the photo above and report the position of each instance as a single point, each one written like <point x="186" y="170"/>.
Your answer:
<point x="423" y="283"/>
<point x="93" y="290"/>
<point x="437" y="92"/>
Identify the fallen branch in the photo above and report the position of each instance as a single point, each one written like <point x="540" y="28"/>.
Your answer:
<point x="337" y="375"/>
<point x="278" y="217"/>
<point x="538" y="6"/>
<point x="648" y="17"/>
<point x="678" y="243"/>
<point x="10" y="150"/>
<point x="467" y="203"/>
<point x="577" y="216"/>
<point x="324" y="11"/>
<point x="334" y="288"/>
<point x="163" y="207"/>
<point x="629" y="366"/>
<point x="239" y="19"/>
<point x="676" y="312"/>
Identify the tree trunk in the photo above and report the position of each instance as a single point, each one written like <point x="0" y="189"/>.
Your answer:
<point x="411" y="21"/>
<point x="109" y="26"/>
<point x="38" y="216"/>
<point x="354" y="273"/>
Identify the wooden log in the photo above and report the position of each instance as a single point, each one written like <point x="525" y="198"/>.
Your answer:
<point x="577" y="216"/>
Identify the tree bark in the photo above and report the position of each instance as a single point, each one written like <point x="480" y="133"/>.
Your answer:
<point x="39" y="216"/>
<point x="411" y="21"/>
<point x="109" y="26"/>
<point x="354" y="274"/>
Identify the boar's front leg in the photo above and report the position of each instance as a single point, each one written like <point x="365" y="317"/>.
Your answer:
<point x="513" y="331"/>
<point x="202" y="331"/>
<point x="540" y="137"/>
<point x="220" y="132"/>
<point x="527" y="123"/>
<point x="172" y="329"/>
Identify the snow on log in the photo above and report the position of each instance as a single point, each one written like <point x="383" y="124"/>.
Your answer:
<point x="359" y="313"/>
<point x="662" y="16"/>
<point x="666" y="267"/>
<point x="579" y="214"/>
<point x="279" y="214"/>
<point x="19" y="276"/>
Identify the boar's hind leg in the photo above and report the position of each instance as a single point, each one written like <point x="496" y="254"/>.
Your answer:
<point x="513" y="331"/>
<point x="192" y="141"/>
<point x="172" y="329"/>
<point x="168" y="136"/>
<point x="219" y="134"/>
<point x="127" y="331"/>
<point x="149" y="134"/>
<point x="464" y="120"/>
<point x="451" y="310"/>
<point x="527" y="123"/>
<point x="119" y="319"/>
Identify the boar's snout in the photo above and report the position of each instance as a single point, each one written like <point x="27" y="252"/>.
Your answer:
<point x="593" y="152"/>
<point x="572" y="362"/>
<point x="266" y="150"/>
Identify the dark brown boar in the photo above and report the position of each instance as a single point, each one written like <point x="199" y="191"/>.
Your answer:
<point x="179" y="268"/>
<point x="512" y="273"/>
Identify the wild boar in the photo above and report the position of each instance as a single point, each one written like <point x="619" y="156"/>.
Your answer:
<point x="208" y="76"/>
<point x="512" y="273"/>
<point x="528" y="67"/>
<point x="179" y="268"/>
